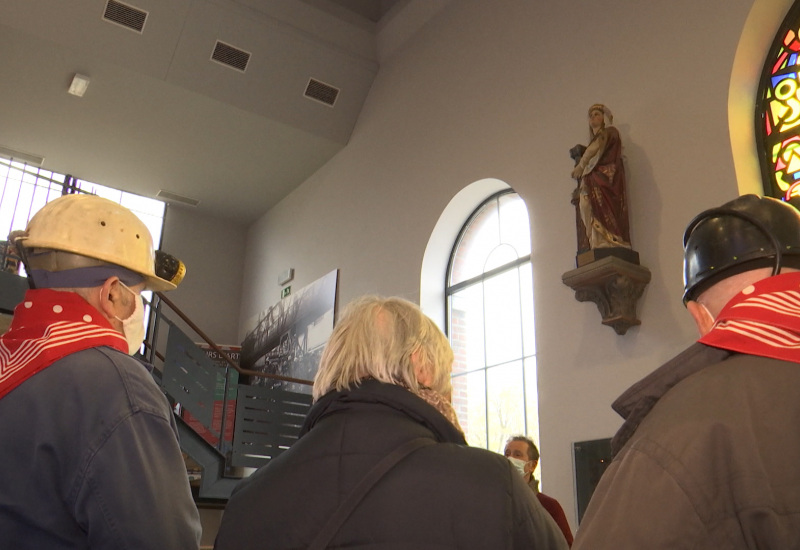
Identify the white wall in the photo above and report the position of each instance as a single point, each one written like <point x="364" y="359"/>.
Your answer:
<point x="210" y="294"/>
<point x="500" y="90"/>
<point x="213" y="251"/>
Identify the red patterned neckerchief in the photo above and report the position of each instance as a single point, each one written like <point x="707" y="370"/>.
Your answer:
<point x="763" y="319"/>
<point x="47" y="326"/>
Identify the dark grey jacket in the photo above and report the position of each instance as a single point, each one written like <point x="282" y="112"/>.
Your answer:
<point x="90" y="459"/>
<point x="445" y="495"/>
<point x="709" y="458"/>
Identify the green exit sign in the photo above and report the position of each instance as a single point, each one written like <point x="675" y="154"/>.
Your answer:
<point x="286" y="291"/>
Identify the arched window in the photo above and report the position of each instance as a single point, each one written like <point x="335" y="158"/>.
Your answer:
<point x="490" y="324"/>
<point x="778" y="111"/>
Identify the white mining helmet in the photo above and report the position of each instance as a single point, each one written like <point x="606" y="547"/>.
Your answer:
<point x="97" y="228"/>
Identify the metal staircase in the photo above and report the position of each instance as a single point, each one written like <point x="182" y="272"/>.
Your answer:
<point x="266" y="420"/>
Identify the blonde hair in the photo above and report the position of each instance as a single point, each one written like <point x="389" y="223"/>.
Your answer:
<point x="384" y="339"/>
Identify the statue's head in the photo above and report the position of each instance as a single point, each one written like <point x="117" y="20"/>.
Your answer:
<point x="599" y="117"/>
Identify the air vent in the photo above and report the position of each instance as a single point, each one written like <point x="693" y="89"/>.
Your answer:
<point x="125" y="15"/>
<point x="230" y="56"/>
<point x="174" y="197"/>
<point x="30" y="160"/>
<point x="319" y="91"/>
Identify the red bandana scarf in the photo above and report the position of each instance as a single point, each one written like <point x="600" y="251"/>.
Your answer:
<point x="763" y="319"/>
<point x="47" y="326"/>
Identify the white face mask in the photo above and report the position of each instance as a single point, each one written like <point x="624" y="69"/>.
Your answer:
<point x="519" y="464"/>
<point x="133" y="326"/>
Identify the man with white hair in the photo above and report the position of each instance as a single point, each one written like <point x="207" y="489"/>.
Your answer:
<point x="708" y="454"/>
<point x="88" y="441"/>
<point x="381" y="461"/>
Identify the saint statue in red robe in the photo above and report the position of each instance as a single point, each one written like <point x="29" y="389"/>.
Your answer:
<point x="601" y="198"/>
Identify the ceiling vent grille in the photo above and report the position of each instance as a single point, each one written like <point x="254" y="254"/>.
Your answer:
<point x="174" y="197"/>
<point x="319" y="91"/>
<point x="125" y="15"/>
<point x="230" y="56"/>
<point x="30" y="160"/>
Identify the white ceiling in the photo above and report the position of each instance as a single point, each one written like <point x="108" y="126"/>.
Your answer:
<point x="160" y="115"/>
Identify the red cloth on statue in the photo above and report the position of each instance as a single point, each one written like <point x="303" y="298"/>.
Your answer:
<point x="606" y="188"/>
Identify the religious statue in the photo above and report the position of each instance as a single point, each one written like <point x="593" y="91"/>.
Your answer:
<point x="600" y="199"/>
<point x="583" y="238"/>
<point x="607" y="270"/>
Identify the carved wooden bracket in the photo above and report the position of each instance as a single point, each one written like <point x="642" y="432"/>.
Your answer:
<point x="613" y="284"/>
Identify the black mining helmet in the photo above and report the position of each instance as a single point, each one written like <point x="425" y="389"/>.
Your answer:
<point x="746" y="233"/>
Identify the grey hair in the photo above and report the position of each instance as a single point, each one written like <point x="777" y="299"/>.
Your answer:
<point x="376" y="338"/>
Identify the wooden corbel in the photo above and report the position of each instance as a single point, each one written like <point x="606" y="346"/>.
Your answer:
<point x="614" y="285"/>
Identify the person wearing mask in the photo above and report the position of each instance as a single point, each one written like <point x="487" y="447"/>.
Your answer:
<point x="88" y="441"/>
<point x="522" y="452"/>
<point x="708" y="452"/>
<point x="381" y="461"/>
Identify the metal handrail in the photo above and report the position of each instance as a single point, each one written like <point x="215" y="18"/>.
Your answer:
<point x="151" y="343"/>
<point x="225" y="356"/>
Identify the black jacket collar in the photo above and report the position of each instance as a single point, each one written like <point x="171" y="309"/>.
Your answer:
<point x="372" y="392"/>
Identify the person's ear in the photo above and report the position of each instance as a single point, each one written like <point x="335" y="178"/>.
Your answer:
<point x="422" y="372"/>
<point x="702" y="317"/>
<point x="530" y="466"/>
<point x="112" y="303"/>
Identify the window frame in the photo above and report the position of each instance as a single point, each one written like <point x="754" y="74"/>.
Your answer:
<point x="525" y="357"/>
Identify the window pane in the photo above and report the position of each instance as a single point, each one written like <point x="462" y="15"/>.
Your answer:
<point x="466" y="329"/>
<point x="515" y="227"/>
<point x="506" y="403"/>
<point x="531" y="399"/>
<point x="471" y="406"/>
<point x="42" y="196"/>
<point x="8" y="207"/>
<point x="25" y="205"/>
<point x="101" y="191"/>
<point x="500" y="256"/>
<point x="144" y="205"/>
<point x="526" y="308"/>
<point x="27" y="176"/>
<point x="478" y="239"/>
<point x="503" y="318"/>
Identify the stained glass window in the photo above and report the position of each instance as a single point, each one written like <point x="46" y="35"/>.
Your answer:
<point x="778" y="111"/>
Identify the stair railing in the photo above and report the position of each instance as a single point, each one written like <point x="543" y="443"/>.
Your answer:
<point x="214" y="346"/>
<point x="152" y="353"/>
